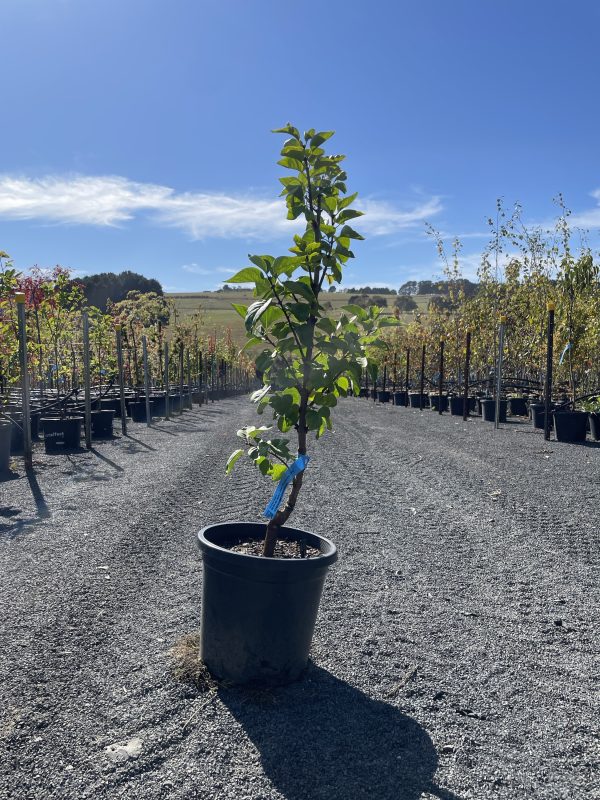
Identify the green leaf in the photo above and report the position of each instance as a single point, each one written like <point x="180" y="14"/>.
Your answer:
<point x="264" y="360"/>
<point x="241" y="309"/>
<point x="231" y="460"/>
<point x="361" y="313"/>
<point x="255" y="311"/>
<point x="301" y="288"/>
<point x="289" y="129"/>
<point x="320" y="137"/>
<point x="313" y="420"/>
<point x="259" y="393"/>
<point x="277" y="471"/>
<point x="285" y="264"/>
<point x="350" y="233"/>
<point x="326" y="324"/>
<point x="290" y="163"/>
<point x="347" y="201"/>
<point x="246" y="275"/>
<point x="252" y="342"/>
<point x="349" y="213"/>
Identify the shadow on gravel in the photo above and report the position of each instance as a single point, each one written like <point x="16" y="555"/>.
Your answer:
<point x="41" y="506"/>
<point x="9" y="475"/>
<point x="106" y="460"/>
<point x="322" y="737"/>
<point x="139" y="442"/>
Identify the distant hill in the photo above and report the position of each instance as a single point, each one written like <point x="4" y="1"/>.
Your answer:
<point x="218" y="314"/>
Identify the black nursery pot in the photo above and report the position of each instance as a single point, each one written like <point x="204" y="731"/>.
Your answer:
<point x="384" y="396"/>
<point x="538" y="415"/>
<point x="400" y="398"/>
<point x="258" y="614"/>
<point x="518" y="406"/>
<point x="5" y="437"/>
<point x="434" y="402"/>
<point x="570" y="426"/>
<point x="488" y="410"/>
<point x="111" y="404"/>
<point x="138" y="411"/>
<point x="364" y="392"/>
<point x="413" y="399"/>
<point x="159" y="405"/>
<point x="102" y="422"/>
<point x="457" y="405"/>
<point x="594" y="419"/>
<point x="61" y="433"/>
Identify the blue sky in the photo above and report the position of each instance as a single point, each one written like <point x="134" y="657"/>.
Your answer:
<point x="135" y="133"/>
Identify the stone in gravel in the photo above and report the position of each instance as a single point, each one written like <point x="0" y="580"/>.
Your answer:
<point x="122" y="752"/>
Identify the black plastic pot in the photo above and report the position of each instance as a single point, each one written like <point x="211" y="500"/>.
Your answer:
<point x="400" y="398"/>
<point x="537" y="412"/>
<point x="111" y="404"/>
<point x="594" y="420"/>
<point x="5" y="437"/>
<point x="62" y="433"/>
<point x="258" y="614"/>
<point x="434" y="402"/>
<point x="457" y="405"/>
<point x="517" y="406"/>
<point x="159" y="406"/>
<point x="384" y="396"/>
<point x="102" y="422"/>
<point x="413" y="399"/>
<point x="570" y="426"/>
<point x="364" y="392"/>
<point x="17" y="441"/>
<point x="488" y="410"/>
<point x="138" y="411"/>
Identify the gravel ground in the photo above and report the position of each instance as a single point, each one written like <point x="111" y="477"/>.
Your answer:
<point x="456" y="649"/>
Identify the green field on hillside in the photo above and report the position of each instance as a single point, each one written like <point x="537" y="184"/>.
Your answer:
<point x="217" y="313"/>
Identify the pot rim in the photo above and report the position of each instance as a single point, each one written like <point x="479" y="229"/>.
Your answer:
<point x="288" y="564"/>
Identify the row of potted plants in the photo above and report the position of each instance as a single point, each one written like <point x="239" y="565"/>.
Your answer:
<point x="570" y="425"/>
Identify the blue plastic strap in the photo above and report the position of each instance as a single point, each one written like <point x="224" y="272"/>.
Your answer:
<point x="564" y="352"/>
<point x="288" y="476"/>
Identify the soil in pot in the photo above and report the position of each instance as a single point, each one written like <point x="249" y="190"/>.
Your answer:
<point x="258" y="614"/>
<point x="570" y="426"/>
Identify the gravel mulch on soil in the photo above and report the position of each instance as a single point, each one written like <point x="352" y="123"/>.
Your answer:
<point x="455" y="656"/>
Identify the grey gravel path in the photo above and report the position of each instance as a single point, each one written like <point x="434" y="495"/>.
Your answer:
<point x="456" y="653"/>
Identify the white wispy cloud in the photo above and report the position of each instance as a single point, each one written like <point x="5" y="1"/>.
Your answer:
<point x="79" y="199"/>
<point x="382" y="218"/>
<point x="113" y="200"/>
<point x="589" y="218"/>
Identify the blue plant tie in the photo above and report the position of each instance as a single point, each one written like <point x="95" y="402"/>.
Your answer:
<point x="564" y="352"/>
<point x="288" y="476"/>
